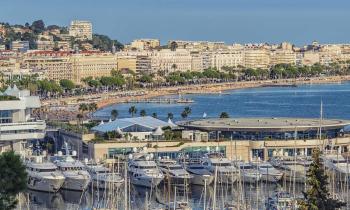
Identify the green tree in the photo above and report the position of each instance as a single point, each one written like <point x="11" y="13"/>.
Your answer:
<point x="170" y="115"/>
<point x="154" y="115"/>
<point x="114" y="114"/>
<point x="132" y="111"/>
<point x="38" y="26"/>
<point x="146" y="78"/>
<point x="143" y="113"/>
<point x="92" y="107"/>
<point x="173" y="46"/>
<point x="67" y="84"/>
<point x="317" y="197"/>
<point x="224" y="115"/>
<point x="13" y="179"/>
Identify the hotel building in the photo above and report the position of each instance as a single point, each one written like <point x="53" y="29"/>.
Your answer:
<point x="16" y="124"/>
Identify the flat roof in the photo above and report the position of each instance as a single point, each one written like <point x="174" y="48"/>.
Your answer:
<point x="263" y="124"/>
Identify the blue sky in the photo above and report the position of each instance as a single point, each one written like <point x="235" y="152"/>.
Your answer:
<point x="232" y="21"/>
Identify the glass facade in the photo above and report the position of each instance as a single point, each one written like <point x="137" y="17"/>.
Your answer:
<point x="263" y="135"/>
<point x="5" y="116"/>
<point x="190" y="151"/>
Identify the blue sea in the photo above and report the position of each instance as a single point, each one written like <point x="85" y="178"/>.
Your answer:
<point x="300" y="101"/>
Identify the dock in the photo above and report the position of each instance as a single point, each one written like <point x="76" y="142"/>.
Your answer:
<point x="161" y="101"/>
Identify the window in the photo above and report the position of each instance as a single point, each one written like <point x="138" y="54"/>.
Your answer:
<point x="6" y="116"/>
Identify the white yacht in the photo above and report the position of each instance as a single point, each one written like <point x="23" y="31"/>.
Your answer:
<point x="143" y="170"/>
<point x="76" y="176"/>
<point x="249" y="174"/>
<point x="293" y="168"/>
<point x="103" y="178"/>
<point x="280" y="201"/>
<point x="338" y="165"/>
<point x="173" y="171"/>
<point x="226" y="171"/>
<point x="43" y="175"/>
<point x="201" y="175"/>
<point x="267" y="171"/>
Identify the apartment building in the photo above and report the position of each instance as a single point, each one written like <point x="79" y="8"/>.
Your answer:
<point x="168" y="61"/>
<point x="45" y="45"/>
<point x="145" y="44"/>
<point x="16" y="123"/>
<point x="256" y="57"/>
<point x="81" y="29"/>
<point x="139" y="64"/>
<point x="230" y="57"/>
<point x="92" y="65"/>
<point x="22" y="46"/>
<point x="197" y="45"/>
<point x="284" y="53"/>
<point x="54" y="68"/>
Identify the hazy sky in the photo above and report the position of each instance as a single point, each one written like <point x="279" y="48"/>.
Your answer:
<point x="240" y="21"/>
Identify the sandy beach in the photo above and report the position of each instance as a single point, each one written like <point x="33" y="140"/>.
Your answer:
<point x="106" y="99"/>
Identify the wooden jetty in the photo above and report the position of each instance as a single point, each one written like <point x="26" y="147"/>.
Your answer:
<point x="161" y="101"/>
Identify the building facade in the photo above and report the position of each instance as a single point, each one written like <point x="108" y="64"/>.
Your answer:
<point x="16" y="123"/>
<point x="81" y="29"/>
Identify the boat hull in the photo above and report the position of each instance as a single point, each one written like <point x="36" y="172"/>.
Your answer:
<point x="45" y="184"/>
<point x="201" y="179"/>
<point x="76" y="183"/>
<point x="274" y="178"/>
<point x="146" y="181"/>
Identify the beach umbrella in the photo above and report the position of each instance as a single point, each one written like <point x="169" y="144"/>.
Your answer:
<point x="101" y="123"/>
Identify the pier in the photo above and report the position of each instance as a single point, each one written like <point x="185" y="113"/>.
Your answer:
<point x="161" y="101"/>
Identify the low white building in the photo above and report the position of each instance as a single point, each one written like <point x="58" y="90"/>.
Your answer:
<point x="16" y="124"/>
<point x="136" y="128"/>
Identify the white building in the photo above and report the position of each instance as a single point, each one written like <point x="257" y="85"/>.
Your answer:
<point x="16" y="124"/>
<point x="81" y="29"/>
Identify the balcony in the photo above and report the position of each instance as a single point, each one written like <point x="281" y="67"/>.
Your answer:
<point x="22" y="130"/>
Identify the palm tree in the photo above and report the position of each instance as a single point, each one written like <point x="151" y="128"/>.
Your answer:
<point x="114" y="114"/>
<point x="184" y="114"/>
<point x="143" y="113"/>
<point x="188" y="110"/>
<point x="224" y="115"/>
<point x="92" y="107"/>
<point x="154" y="115"/>
<point x="83" y="107"/>
<point x="132" y="110"/>
<point x="80" y="117"/>
<point x="170" y="115"/>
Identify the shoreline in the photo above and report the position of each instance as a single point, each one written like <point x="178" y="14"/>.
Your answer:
<point x="219" y="87"/>
<point x="107" y="99"/>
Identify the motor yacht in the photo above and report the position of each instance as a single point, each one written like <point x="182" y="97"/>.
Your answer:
<point x="43" y="175"/>
<point x="293" y="168"/>
<point x="173" y="171"/>
<point x="226" y="171"/>
<point x="200" y="174"/>
<point x="76" y="176"/>
<point x="267" y="171"/>
<point x="103" y="178"/>
<point x="280" y="201"/>
<point x="143" y="170"/>
<point x="249" y="174"/>
<point x="338" y="165"/>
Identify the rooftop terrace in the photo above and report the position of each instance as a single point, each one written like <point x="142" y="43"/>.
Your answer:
<point x="260" y="124"/>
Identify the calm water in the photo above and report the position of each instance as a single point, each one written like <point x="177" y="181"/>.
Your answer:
<point x="301" y="101"/>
